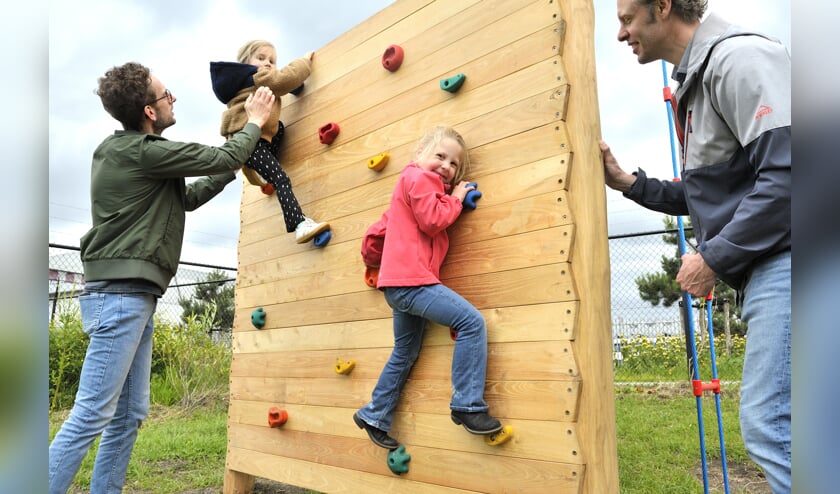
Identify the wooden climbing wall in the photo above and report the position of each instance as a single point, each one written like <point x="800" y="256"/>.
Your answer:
<point x="532" y="257"/>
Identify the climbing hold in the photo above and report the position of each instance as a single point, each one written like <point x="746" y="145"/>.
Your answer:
<point x="453" y="333"/>
<point x="378" y="162"/>
<point x="267" y="189"/>
<point x="500" y="437"/>
<point x="344" y="368"/>
<point x="328" y="132"/>
<point x="277" y="417"/>
<point x="371" y="276"/>
<point x="398" y="460"/>
<point x="322" y="239"/>
<point x="472" y="196"/>
<point x="296" y="91"/>
<point x="258" y="318"/>
<point x="453" y="83"/>
<point x="393" y="57"/>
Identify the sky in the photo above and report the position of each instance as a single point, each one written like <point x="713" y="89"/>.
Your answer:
<point x="177" y="40"/>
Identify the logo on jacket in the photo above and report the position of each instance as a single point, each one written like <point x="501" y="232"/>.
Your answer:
<point x="763" y="110"/>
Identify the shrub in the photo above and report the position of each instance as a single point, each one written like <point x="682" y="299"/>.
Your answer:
<point x="664" y="358"/>
<point x="68" y="344"/>
<point x="188" y="368"/>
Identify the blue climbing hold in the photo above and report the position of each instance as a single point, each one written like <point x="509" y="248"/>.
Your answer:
<point x="472" y="196"/>
<point x="322" y="239"/>
<point x="398" y="460"/>
<point x="296" y="91"/>
<point x="453" y="83"/>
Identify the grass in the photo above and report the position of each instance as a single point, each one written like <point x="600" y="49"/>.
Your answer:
<point x="183" y="450"/>
<point x="658" y="442"/>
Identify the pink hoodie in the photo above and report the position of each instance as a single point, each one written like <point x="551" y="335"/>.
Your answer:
<point x="416" y="242"/>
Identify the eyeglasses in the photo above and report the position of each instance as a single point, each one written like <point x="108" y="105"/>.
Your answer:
<point x="166" y="94"/>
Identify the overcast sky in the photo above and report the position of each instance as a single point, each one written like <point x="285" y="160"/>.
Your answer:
<point x="177" y="40"/>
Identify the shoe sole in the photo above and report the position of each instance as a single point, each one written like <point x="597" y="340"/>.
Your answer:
<point x="475" y="431"/>
<point x="316" y="231"/>
<point x="364" y="425"/>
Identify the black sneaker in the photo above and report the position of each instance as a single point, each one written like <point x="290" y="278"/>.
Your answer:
<point x="378" y="436"/>
<point x="477" y="422"/>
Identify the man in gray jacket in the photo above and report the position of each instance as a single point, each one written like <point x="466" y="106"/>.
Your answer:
<point x="733" y="116"/>
<point x="138" y="202"/>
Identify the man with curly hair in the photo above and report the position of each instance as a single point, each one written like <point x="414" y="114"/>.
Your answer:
<point x="733" y="109"/>
<point x="138" y="203"/>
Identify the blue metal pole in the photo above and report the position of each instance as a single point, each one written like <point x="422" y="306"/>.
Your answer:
<point x="687" y="296"/>
<point x="710" y="325"/>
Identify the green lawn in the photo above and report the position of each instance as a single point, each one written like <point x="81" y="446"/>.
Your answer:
<point x="183" y="451"/>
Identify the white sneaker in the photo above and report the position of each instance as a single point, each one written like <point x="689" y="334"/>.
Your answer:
<point x="308" y="228"/>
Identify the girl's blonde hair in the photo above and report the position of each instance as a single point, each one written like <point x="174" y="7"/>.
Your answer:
<point x="249" y="48"/>
<point x="433" y="137"/>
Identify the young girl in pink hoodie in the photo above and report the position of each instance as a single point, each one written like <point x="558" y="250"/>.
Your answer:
<point x="415" y="245"/>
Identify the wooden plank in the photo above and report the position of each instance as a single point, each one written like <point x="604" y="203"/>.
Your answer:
<point x="485" y="56"/>
<point x="535" y="248"/>
<point x="534" y="400"/>
<point x="547" y="360"/>
<point x="528" y="286"/>
<point x="340" y="274"/>
<point x="533" y="285"/>
<point x="327" y="478"/>
<point x="489" y="471"/>
<point x="487" y="154"/>
<point x="521" y="215"/>
<point x="309" y="424"/>
<point x="523" y="85"/>
<point x="590" y="254"/>
<point x="334" y="51"/>
<point x="553" y="321"/>
<point x="327" y="69"/>
<point x="237" y="482"/>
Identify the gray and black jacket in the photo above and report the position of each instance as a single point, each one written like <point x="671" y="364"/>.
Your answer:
<point x="733" y="104"/>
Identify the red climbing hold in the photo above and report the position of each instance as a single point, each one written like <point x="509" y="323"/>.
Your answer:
<point x="393" y="57"/>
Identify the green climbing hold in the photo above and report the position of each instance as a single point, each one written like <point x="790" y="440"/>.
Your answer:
<point x="398" y="460"/>
<point x="258" y="318"/>
<point x="453" y="83"/>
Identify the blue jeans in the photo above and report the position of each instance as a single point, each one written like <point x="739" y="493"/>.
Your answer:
<point x="765" y="385"/>
<point x="412" y="307"/>
<point x="113" y="396"/>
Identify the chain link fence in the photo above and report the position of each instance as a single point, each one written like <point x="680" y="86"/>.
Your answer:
<point x="191" y="288"/>
<point x="631" y="256"/>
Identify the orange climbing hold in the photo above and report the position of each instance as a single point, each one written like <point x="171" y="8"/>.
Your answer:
<point x="277" y="417"/>
<point x="371" y="276"/>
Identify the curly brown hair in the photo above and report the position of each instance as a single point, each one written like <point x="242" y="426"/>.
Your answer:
<point x="687" y="10"/>
<point x="125" y="91"/>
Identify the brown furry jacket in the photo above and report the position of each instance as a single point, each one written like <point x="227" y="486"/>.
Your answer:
<point x="233" y="82"/>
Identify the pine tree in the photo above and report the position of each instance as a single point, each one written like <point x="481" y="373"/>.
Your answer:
<point x="214" y="290"/>
<point x="661" y="287"/>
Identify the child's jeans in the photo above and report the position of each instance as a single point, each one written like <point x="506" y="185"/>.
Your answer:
<point x="412" y="306"/>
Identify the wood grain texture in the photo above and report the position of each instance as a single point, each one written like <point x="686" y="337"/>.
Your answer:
<point x="532" y="258"/>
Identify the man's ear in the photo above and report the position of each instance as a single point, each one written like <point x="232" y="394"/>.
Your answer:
<point x="664" y="7"/>
<point x="149" y="113"/>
